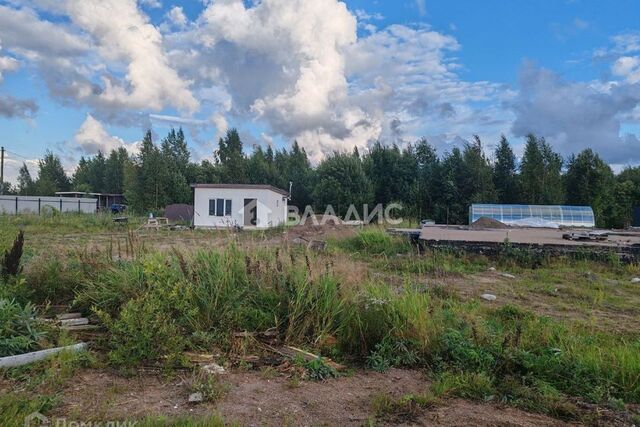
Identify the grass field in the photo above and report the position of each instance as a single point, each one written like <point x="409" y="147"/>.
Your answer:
<point x="561" y="339"/>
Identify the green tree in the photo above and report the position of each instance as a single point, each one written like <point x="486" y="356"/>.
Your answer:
<point x="626" y="196"/>
<point x="133" y="190"/>
<point x="341" y="182"/>
<point x="261" y="167"/>
<point x="297" y="170"/>
<point x="531" y="172"/>
<point x="89" y="175"/>
<point x="25" y="182"/>
<point x="209" y="173"/>
<point x="477" y="181"/>
<point x="175" y="155"/>
<point x="505" y="176"/>
<point x="174" y="147"/>
<point x="427" y="186"/>
<point x="148" y="178"/>
<point x="541" y="173"/>
<point x="231" y="160"/>
<point x="114" y="171"/>
<point x="7" y="189"/>
<point x="391" y="175"/>
<point x="451" y="208"/>
<point x="552" y="185"/>
<point x="51" y="176"/>
<point x="589" y="181"/>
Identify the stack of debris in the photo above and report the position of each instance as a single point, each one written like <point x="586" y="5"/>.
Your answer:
<point x="259" y="350"/>
<point x="74" y="322"/>
<point x="586" y="236"/>
<point x="80" y="327"/>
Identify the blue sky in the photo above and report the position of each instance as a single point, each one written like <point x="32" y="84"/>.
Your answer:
<point x="81" y="76"/>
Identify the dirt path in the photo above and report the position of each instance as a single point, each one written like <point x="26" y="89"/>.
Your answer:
<point x="253" y="399"/>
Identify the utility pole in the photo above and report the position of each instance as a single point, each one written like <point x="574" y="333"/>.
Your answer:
<point x="1" y="170"/>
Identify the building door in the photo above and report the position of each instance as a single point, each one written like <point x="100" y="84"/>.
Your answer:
<point x="250" y="212"/>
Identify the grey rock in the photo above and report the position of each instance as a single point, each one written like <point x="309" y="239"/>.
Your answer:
<point x="488" y="297"/>
<point x="635" y="280"/>
<point x="213" y="369"/>
<point x="196" y="398"/>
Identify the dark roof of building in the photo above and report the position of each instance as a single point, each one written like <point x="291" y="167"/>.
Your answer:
<point x="243" y="186"/>
<point x="83" y="193"/>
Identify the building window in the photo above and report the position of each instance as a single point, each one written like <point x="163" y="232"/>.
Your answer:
<point x="219" y="207"/>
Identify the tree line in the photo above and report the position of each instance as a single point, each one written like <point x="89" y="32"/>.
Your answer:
<point x="426" y="183"/>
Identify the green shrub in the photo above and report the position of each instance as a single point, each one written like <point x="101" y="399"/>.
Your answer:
<point x="210" y="386"/>
<point x="109" y="289"/>
<point x="392" y="353"/>
<point x="379" y="313"/>
<point x="19" y="330"/>
<point x="318" y="370"/>
<point x="52" y="280"/>
<point x="10" y="262"/>
<point x="314" y="309"/>
<point x="14" y="407"/>
<point x="142" y="333"/>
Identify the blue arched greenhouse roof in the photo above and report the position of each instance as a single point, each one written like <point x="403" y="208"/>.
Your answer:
<point x="570" y="216"/>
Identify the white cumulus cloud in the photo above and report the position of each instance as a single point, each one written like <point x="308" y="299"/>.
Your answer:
<point x="177" y="17"/>
<point x="92" y="137"/>
<point x="7" y="63"/>
<point x="123" y="34"/>
<point x="627" y="67"/>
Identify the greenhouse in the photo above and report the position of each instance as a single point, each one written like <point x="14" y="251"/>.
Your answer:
<point x="569" y="216"/>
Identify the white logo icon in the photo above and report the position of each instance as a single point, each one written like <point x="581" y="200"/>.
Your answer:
<point x="36" y="419"/>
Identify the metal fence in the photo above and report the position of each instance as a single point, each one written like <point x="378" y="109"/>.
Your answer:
<point x="40" y="204"/>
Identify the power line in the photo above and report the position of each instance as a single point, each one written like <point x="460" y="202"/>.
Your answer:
<point x="18" y="155"/>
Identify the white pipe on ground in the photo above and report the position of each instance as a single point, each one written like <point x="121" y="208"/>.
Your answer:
<point x="24" y="359"/>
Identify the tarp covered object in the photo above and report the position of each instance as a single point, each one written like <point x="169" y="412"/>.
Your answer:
<point x="179" y="212"/>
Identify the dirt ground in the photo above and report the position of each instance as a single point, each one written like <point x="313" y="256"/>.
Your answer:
<point x="253" y="399"/>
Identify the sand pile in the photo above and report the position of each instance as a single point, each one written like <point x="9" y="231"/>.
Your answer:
<point x="486" y="222"/>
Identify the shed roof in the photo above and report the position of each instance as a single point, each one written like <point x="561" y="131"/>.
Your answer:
<point x="84" y="193"/>
<point x="243" y="187"/>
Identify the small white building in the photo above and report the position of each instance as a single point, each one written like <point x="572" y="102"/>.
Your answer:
<point x="239" y="205"/>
